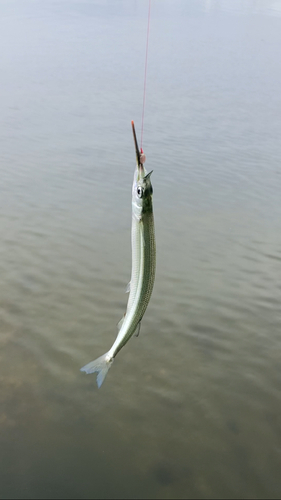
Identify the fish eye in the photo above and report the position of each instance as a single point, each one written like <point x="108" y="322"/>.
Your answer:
<point x="140" y="192"/>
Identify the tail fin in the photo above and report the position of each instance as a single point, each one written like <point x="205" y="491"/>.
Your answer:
<point x="100" y="365"/>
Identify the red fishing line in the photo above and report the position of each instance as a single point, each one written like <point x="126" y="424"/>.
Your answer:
<point x="145" y="70"/>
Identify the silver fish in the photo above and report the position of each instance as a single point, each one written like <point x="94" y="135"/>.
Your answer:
<point x="143" y="267"/>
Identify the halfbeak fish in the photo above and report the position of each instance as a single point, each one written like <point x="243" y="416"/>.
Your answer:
<point x="143" y="266"/>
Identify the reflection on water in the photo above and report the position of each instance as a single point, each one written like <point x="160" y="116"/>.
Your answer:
<point x="192" y="407"/>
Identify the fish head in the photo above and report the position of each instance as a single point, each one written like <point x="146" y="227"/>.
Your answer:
<point x="142" y="188"/>
<point x="142" y="192"/>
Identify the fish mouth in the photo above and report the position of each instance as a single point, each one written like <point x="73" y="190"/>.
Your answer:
<point x="138" y="152"/>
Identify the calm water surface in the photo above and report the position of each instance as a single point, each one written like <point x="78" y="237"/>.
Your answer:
<point x="192" y="407"/>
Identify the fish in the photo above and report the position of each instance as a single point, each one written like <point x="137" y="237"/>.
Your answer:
<point x="143" y="266"/>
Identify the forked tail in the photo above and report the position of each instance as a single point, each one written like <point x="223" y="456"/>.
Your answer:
<point x="100" y="365"/>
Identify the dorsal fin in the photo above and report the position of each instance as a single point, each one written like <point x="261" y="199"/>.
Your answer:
<point x="137" y="330"/>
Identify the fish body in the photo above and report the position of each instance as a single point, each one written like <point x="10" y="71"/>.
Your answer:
<point x="143" y="269"/>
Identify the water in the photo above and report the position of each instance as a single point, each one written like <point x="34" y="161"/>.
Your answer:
<point x="190" y="409"/>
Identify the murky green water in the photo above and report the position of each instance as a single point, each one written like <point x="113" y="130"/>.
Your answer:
<point x="190" y="409"/>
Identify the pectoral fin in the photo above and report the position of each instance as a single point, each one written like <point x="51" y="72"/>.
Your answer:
<point x="142" y="231"/>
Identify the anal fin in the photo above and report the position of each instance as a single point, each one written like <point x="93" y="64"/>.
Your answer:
<point x="119" y="325"/>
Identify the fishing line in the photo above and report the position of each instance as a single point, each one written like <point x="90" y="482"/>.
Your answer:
<point x="145" y="70"/>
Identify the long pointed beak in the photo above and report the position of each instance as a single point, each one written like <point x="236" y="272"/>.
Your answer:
<point x="136" y="145"/>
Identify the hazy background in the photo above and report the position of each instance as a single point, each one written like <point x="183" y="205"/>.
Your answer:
<point x="190" y="409"/>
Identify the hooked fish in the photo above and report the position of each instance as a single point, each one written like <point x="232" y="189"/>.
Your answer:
<point x="143" y="267"/>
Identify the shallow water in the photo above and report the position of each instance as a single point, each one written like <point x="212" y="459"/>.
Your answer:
<point x="190" y="409"/>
